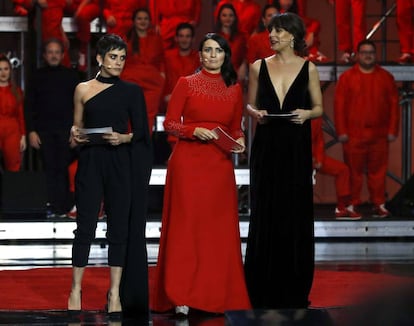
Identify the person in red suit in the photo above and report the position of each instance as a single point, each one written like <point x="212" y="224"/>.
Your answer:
<point x="258" y="45"/>
<point x="200" y="265"/>
<point x="324" y="164"/>
<point x="313" y="27"/>
<point x="22" y="7"/>
<point x="227" y="25"/>
<point x="145" y="62"/>
<point x="118" y="15"/>
<point x="167" y="14"/>
<point x="248" y="12"/>
<point x="350" y="26"/>
<point x="366" y="120"/>
<point x="405" y="24"/>
<point x="180" y="61"/>
<point x="12" y="126"/>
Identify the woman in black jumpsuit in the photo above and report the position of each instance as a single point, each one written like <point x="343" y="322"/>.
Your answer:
<point x="116" y="170"/>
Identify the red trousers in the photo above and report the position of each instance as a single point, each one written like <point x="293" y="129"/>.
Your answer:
<point x="88" y="13"/>
<point x="340" y="171"/>
<point x="370" y="157"/>
<point x="350" y="23"/>
<point x="405" y="23"/>
<point x="10" y="143"/>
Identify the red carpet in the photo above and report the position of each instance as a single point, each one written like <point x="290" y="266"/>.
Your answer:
<point x="48" y="288"/>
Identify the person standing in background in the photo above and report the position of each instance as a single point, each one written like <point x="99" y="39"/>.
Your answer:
<point x="49" y="117"/>
<point x="366" y="121"/>
<point x="405" y="24"/>
<point x="350" y="26"/>
<point x="145" y="62"/>
<point x="12" y="126"/>
<point x="279" y="261"/>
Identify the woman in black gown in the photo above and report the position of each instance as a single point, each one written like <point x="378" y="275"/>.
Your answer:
<point x="280" y="247"/>
<point x="116" y="169"/>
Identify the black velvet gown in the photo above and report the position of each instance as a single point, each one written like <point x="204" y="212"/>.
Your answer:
<point x="279" y="260"/>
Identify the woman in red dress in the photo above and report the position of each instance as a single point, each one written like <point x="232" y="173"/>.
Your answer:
<point x="12" y="128"/>
<point x="145" y="62"/>
<point x="200" y="262"/>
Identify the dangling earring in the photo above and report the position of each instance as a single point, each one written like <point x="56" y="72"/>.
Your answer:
<point x="292" y="43"/>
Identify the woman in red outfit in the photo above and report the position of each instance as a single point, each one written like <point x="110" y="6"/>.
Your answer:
<point x="200" y="263"/>
<point x="12" y="128"/>
<point x="227" y="26"/>
<point x="145" y="62"/>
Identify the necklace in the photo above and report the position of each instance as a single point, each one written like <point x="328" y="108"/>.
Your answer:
<point x="107" y="80"/>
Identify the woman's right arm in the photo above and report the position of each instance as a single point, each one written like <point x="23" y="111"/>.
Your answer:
<point x="252" y="110"/>
<point x="75" y="136"/>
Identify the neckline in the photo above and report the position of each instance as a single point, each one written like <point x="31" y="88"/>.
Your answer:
<point x="210" y="74"/>
<point x="107" y="80"/>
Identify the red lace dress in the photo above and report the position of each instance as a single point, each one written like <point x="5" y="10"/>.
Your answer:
<point x="200" y="263"/>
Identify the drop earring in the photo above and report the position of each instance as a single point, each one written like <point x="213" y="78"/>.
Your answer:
<point x="292" y="43"/>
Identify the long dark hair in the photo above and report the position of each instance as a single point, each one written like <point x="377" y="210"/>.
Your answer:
<point x="13" y="85"/>
<point x="132" y="35"/>
<point x="261" y="27"/>
<point x="227" y="71"/>
<point x="234" y="29"/>
<point x="294" y="25"/>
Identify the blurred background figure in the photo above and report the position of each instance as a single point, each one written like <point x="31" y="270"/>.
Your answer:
<point x="227" y="25"/>
<point x="145" y="62"/>
<point x="258" y="45"/>
<point x="405" y="24"/>
<point x="248" y="12"/>
<point x="350" y="26"/>
<point x="12" y="126"/>
<point x="167" y="14"/>
<point x="313" y="28"/>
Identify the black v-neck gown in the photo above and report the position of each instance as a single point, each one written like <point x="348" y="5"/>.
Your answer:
<point x="279" y="260"/>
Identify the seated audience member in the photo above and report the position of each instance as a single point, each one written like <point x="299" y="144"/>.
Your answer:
<point x="324" y="164"/>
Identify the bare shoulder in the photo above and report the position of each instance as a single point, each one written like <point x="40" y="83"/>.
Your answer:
<point x="83" y="87"/>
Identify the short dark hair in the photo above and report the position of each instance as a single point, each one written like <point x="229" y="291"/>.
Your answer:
<point x="110" y="42"/>
<point x="53" y="40"/>
<point x="294" y="25"/>
<point x="227" y="70"/>
<point x="366" y="42"/>
<point x="184" y="26"/>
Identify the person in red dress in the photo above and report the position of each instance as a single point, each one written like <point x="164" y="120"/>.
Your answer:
<point x="350" y="25"/>
<point x="145" y="62"/>
<point x="12" y="127"/>
<point x="200" y="263"/>
<point x="258" y="45"/>
<point x="227" y="25"/>
<point x="167" y="14"/>
<point x="405" y="24"/>
<point x="366" y="120"/>
<point x="325" y="164"/>
<point x="248" y="12"/>
<point x="180" y="61"/>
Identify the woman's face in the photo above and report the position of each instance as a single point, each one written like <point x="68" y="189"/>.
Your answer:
<point x="5" y="72"/>
<point x="286" y="4"/>
<point x="113" y="63"/>
<point x="212" y="56"/>
<point x="227" y="17"/>
<point x="280" y="39"/>
<point x="142" y="21"/>
<point x="268" y="15"/>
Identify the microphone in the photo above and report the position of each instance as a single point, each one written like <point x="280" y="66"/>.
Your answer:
<point x="108" y="67"/>
<point x="205" y="60"/>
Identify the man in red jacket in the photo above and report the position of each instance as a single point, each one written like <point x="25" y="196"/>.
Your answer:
<point x="324" y="164"/>
<point x="367" y="119"/>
